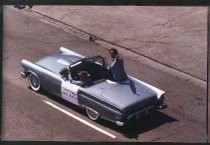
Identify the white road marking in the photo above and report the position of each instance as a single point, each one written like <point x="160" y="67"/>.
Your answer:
<point x="79" y="119"/>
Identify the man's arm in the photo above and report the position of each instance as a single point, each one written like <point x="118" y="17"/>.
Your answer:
<point x="113" y="63"/>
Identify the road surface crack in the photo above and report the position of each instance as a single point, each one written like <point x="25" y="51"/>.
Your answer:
<point x="155" y="139"/>
<point x="5" y="58"/>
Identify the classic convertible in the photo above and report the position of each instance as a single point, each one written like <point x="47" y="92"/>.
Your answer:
<point x="102" y="98"/>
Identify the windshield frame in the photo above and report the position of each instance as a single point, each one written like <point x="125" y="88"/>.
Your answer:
<point x="96" y="66"/>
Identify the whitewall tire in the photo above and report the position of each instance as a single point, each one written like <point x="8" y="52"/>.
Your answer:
<point x="92" y="114"/>
<point x="34" y="82"/>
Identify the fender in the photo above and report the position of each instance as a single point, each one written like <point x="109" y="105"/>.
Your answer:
<point x="30" y="67"/>
<point x="159" y="92"/>
<point x="106" y="111"/>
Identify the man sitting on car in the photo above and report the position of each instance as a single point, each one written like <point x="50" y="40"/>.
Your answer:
<point x="117" y="66"/>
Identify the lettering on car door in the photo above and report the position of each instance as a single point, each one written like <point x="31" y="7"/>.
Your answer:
<point x="69" y="92"/>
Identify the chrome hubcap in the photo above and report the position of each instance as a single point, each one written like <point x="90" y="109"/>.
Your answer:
<point x="93" y="114"/>
<point x="34" y="81"/>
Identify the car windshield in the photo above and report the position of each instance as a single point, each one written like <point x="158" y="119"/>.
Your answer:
<point x="96" y="66"/>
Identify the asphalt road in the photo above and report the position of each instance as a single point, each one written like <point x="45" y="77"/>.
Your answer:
<point x="32" y="116"/>
<point x="169" y="35"/>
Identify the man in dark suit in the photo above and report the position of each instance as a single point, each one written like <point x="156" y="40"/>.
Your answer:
<point x="117" y="66"/>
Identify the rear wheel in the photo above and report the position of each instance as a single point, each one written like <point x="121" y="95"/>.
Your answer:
<point x="92" y="114"/>
<point x="34" y="82"/>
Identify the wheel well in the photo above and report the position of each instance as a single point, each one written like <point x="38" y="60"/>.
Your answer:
<point x="86" y="107"/>
<point x="30" y="72"/>
<point x="27" y="74"/>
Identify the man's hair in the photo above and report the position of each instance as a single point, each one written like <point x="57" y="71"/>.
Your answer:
<point x="113" y="51"/>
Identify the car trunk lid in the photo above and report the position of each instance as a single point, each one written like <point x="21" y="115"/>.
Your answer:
<point x="130" y="93"/>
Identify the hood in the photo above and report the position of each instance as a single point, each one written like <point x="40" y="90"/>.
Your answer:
<point x="124" y="94"/>
<point x="57" y="62"/>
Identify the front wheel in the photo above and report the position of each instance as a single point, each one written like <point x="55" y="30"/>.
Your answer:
<point x="92" y="114"/>
<point x="34" y="82"/>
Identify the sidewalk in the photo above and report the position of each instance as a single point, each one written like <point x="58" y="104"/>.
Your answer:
<point x="173" y="36"/>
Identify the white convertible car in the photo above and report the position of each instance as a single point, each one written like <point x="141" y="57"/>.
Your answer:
<point x="102" y="98"/>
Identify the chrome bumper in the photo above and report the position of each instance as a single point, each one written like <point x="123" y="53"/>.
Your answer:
<point x="139" y="112"/>
<point x="23" y="75"/>
<point x="136" y="114"/>
<point x="119" y="123"/>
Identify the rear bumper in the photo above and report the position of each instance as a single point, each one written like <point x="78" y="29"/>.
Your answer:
<point x="134" y="115"/>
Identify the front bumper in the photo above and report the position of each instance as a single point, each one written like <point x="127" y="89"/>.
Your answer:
<point x="23" y="75"/>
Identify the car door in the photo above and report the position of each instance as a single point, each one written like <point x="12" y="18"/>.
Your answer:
<point x="69" y="91"/>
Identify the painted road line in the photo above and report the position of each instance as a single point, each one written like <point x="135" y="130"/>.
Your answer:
<point x="79" y="119"/>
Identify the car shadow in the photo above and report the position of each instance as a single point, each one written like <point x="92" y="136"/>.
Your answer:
<point x="132" y="131"/>
<point x="138" y="126"/>
<point x="61" y="101"/>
